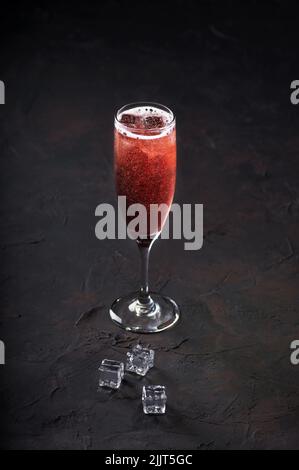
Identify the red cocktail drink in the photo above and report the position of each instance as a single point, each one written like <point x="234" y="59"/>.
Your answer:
<point x="145" y="159"/>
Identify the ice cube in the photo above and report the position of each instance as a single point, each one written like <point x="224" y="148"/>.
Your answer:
<point x="128" y="119"/>
<point x="111" y="373"/>
<point x="154" y="399"/>
<point x="153" y="122"/>
<point x="140" y="359"/>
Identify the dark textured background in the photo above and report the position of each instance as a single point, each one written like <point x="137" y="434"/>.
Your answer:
<point x="225" y="68"/>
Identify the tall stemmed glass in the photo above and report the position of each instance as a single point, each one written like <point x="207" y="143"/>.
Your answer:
<point x="145" y="171"/>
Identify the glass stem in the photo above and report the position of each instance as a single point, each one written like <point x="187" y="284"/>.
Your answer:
<point x="144" y="298"/>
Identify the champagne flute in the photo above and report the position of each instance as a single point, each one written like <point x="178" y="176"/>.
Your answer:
<point x="145" y="172"/>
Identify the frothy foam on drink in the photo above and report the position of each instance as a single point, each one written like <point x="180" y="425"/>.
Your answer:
<point x="145" y="122"/>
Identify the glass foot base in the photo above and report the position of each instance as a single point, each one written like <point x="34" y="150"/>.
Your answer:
<point x="128" y="313"/>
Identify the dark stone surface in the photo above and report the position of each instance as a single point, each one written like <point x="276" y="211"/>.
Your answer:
<point x="226" y="72"/>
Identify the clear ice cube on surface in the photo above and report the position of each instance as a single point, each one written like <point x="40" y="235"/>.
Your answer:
<point x="140" y="360"/>
<point x="111" y="373"/>
<point x="154" y="399"/>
